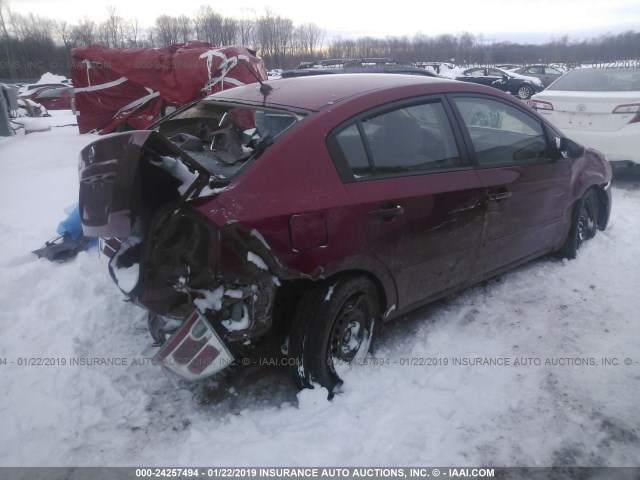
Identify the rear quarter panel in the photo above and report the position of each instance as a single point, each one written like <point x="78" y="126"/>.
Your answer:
<point x="295" y="176"/>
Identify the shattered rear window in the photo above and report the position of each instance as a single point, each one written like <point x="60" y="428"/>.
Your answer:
<point x="223" y="137"/>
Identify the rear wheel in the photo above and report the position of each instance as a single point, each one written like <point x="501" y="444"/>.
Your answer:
<point x="333" y="327"/>
<point x="584" y="224"/>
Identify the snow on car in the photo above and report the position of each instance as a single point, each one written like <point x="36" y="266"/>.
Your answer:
<point x="46" y="80"/>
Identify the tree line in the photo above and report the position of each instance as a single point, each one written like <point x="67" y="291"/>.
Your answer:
<point x="31" y="45"/>
<point x="467" y="49"/>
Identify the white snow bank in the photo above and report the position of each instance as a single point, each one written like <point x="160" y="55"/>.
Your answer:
<point x="51" y="78"/>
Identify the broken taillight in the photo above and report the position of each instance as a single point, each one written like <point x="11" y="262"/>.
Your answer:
<point x="110" y="246"/>
<point x="195" y="350"/>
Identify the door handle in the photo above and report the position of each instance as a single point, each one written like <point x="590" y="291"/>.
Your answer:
<point x="388" y="213"/>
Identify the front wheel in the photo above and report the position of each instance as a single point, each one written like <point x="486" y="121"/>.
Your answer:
<point x="524" y="92"/>
<point x="333" y="327"/>
<point x="583" y="226"/>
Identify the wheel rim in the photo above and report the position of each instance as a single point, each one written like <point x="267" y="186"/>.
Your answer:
<point x="524" y="92"/>
<point x="350" y="334"/>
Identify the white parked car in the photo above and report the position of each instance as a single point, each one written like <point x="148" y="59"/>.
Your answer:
<point x="597" y="107"/>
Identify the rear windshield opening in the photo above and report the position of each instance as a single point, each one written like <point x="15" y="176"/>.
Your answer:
<point x="222" y="138"/>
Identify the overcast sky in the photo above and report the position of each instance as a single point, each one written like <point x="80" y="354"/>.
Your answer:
<point x="515" y="20"/>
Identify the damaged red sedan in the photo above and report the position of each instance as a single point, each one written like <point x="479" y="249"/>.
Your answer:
<point x="312" y="209"/>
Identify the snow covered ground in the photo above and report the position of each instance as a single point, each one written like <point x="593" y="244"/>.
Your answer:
<point x="562" y="412"/>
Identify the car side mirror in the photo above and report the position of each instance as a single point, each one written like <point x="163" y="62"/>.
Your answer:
<point x="505" y="77"/>
<point x="568" y="148"/>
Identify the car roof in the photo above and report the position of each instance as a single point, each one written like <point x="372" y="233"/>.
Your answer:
<point x="316" y="92"/>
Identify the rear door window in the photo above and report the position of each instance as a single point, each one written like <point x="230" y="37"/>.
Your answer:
<point x="404" y="141"/>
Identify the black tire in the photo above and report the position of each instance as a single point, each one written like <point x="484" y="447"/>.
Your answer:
<point x="333" y="326"/>
<point x="524" y="92"/>
<point x="584" y="224"/>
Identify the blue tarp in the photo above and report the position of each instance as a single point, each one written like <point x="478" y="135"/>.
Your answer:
<point x="71" y="224"/>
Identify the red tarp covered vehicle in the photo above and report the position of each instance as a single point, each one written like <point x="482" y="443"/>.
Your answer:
<point x="133" y="85"/>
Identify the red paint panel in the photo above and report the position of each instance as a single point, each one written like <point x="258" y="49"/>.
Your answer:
<point x="308" y="231"/>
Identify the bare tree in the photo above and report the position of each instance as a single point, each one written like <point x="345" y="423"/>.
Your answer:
<point x="265" y="34"/>
<point x="342" y="48"/>
<point x="309" y="38"/>
<point x="274" y="37"/>
<point x="465" y="48"/>
<point x="368" y="47"/>
<point x="113" y="28"/>
<point x="33" y="47"/>
<point x="31" y="27"/>
<point x="245" y="30"/>
<point x="284" y="39"/>
<point x="132" y="33"/>
<point x="185" y="30"/>
<point x="151" y="37"/>
<point x="102" y="34"/>
<point x="85" y="33"/>
<point x="167" y="30"/>
<point x="208" y="25"/>
<point x="5" y="12"/>
<point x="229" y="34"/>
<point x="63" y="31"/>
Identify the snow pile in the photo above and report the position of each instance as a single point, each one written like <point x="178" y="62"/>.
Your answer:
<point x="51" y="78"/>
<point x="452" y="73"/>
<point x="78" y="389"/>
<point x="47" y="78"/>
